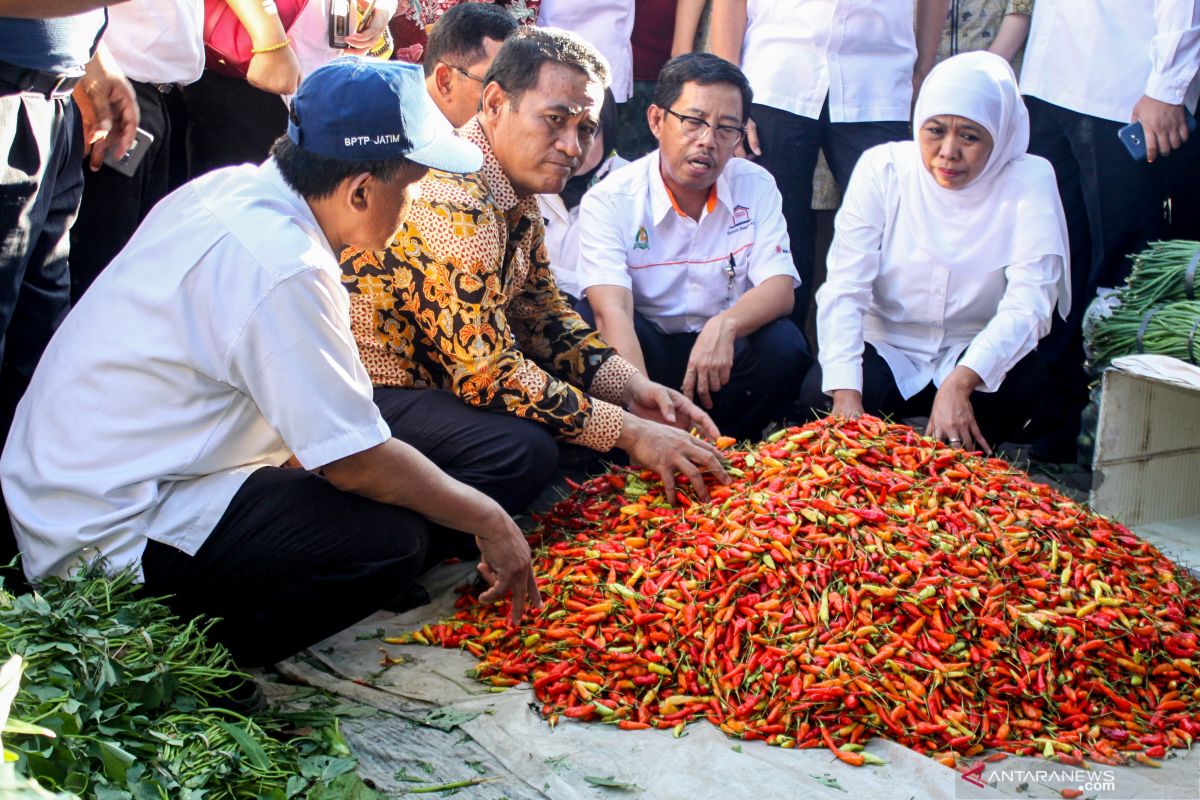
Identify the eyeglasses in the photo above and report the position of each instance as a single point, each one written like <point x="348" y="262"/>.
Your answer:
<point x="463" y="71"/>
<point x="695" y="128"/>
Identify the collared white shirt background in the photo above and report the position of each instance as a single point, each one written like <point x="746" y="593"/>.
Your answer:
<point x="204" y="351"/>
<point x="1098" y="57"/>
<point x="562" y="230"/>
<point x="859" y="53"/>
<point x="157" y="41"/>
<point x="607" y="25"/>
<point x="920" y="315"/>
<point x="677" y="268"/>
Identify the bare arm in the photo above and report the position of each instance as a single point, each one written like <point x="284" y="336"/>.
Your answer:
<point x="1010" y="38"/>
<point x="931" y="21"/>
<point x="711" y="361"/>
<point x="278" y="71"/>
<point x="41" y="9"/>
<point x="687" y="21"/>
<point x="107" y="107"/>
<point x="727" y="28"/>
<point x="613" y="307"/>
<point x="397" y="474"/>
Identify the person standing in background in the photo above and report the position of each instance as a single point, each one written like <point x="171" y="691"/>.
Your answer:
<point x="663" y="29"/>
<point x="159" y="45"/>
<point x="1091" y="67"/>
<point x="608" y="26"/>
<point x="834" y="77"/>
<point x="45" y="137"/>
<point x="462" y="45"/>
<point x="234" y="121"/>
<point x="998" y="26"/>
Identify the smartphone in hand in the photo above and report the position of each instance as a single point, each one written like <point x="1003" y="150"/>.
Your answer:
<point x="1134" y="136"/>
<point x="128" y="163"/>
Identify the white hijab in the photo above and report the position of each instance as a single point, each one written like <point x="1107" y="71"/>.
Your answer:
<point x="1011" y="212"/>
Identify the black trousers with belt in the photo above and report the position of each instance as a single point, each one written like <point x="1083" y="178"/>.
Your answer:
<point x="294" y="560"/>
<point x="1001" y="415"/>
<point x="41" y="180"/>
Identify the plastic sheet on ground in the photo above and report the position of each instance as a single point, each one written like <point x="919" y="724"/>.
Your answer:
<point x="510" y="747"/>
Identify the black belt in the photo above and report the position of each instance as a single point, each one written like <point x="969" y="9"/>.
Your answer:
<point x="14" y="79"/>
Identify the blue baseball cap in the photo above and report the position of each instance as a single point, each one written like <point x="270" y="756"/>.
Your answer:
<point x="366" y="109"/>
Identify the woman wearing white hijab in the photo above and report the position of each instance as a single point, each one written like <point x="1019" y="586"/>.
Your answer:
<point x="949" y="256"/>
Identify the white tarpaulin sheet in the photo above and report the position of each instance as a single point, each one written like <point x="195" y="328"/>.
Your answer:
<point x="524" y="758"/>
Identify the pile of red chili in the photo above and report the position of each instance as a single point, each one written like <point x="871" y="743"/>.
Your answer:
<point x="855" y="580"/>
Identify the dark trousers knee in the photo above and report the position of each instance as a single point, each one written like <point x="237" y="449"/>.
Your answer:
<point x="509" y="459"/>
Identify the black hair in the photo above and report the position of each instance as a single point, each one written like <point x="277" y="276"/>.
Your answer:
<point x="704" y="69"/>
<point x="518" y="65"/>
<point x="315" y="176"/>
<point x="458" y="35"/>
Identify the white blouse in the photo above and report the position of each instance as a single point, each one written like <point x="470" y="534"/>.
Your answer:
<point x="921" y="316"/>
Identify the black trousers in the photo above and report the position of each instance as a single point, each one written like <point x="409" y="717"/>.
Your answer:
<point x="1001" y="415"/>
<point x="41" y="179"/>
<point x="1114" y="206"/>
<point x="511" y="460"/>
<point x="230" y="122"/>
<point x="292" y="561"/>
<point x="790" y="144"/>
<point x="768" y="366"/>
<point x="114" y="204"/>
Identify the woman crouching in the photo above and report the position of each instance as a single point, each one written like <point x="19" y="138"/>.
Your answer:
<point x="948" y="258"/>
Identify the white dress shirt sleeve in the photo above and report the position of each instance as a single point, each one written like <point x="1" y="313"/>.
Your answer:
<point x="852" y="266"/>
<point x="1174" y="50"/>
<point x="602" y="251"/>
<point x="1022" y="318"/>
<point x="297" y="360"/>
<point x="772" y="254"/>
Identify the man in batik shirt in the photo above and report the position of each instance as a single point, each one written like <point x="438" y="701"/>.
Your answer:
<point x="477" y="358"/>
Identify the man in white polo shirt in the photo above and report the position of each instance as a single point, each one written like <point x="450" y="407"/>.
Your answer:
<point x="684" y="258"/>
<point x="216" y="348"/>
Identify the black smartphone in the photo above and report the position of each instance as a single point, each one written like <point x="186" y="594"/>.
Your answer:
<point x="128" y="163"/>
<point x="339" y="23"/>
<point x="1134" y="137"/>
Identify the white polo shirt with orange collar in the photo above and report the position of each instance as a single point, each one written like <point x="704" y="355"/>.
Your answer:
<point x="682" y="272"/>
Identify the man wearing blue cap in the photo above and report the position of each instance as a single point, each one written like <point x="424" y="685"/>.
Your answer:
<point x="214" y="349"/>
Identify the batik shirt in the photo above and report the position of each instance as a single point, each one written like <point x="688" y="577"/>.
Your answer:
<point x="464" y="300"/>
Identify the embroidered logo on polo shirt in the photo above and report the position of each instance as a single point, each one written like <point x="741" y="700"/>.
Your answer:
<point x="642" y="240"/>
<point x="741" y="218"/>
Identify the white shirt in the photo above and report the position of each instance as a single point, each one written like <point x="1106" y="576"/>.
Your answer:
<point x="158" y="41"/>
<point x="679" y="270"/>
<point x="217" y="342"/>
<point x="859" y="53"/>
<point x="310" y="37"/>
<point x="1098" y="57"/>
<point x="919" y="314"/>
<point x="607" y="25"/>
<point x="562" y="230"/>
